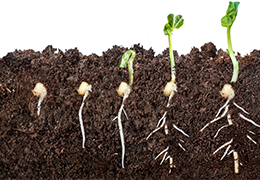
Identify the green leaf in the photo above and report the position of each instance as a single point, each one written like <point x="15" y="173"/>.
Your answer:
<point x="228" y="51"/>
<point x="170" y="18"/>
<point x="167" y="29"/>
<point x="127" y="56"/>
<point x="173" y="23"/>
<point x="231" y="14"/>
<point x="178" y="21"/>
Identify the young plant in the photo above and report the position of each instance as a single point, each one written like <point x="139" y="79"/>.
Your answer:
<point x="124" y="90"/>
<point x="83" y="90"/>
<point x="171" y="87"/>
<point x="39" y="91"/>
<point x="228" y="91"/>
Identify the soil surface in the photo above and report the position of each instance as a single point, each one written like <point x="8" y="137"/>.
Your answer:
<point x="49" y="146"/>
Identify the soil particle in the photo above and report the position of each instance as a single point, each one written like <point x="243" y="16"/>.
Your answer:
<point x="49" y="146"/>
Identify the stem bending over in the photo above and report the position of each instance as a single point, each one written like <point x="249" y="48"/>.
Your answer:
<point x="124" y="90"/>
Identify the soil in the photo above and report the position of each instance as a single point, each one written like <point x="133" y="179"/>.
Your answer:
<point x="49" y="146"/>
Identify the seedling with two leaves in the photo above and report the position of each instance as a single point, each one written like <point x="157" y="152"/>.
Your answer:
<point x="174" y="22"/>
<point x="228" y="91"/>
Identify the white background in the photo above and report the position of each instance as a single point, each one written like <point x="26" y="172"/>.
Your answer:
<point x="95" y="26"/>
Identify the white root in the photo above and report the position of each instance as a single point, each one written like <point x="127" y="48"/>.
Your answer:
<point x="242" y="109"/>
<point x="236" y="162"/>
<point x="164" y="119"/>
<point x="164" y="157"/>
<point x="220" y="109"/>
<point x="225" y="152"/>
<point x="120" y="126"/>
<point x="220" y="130"/>
<point x="251" y="132"/>
<point x="166" y="149"/>
<point x="216" y="119"/>
<point x="224" y="145"/>
<point x="43" y="94"/>
<point x="84" y="88"/>
<point x="249" y="120"/>
<point x="161" y="119"/>
<point x="251" y="139"/>
<point x="230" y="152"/>
<point x="180" y="130"/>
<point x="181" y="147"/>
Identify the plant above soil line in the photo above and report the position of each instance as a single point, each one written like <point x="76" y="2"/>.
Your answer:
<point x="83" y="90"/>
<point x="124" y="90"/>
<point x="228" y="92"/>
<point x="227" y="21"/>
<point x="171" y="87"/>
<point x="39" y="91"/>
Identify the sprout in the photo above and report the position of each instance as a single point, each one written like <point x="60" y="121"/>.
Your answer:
<point x="173" y="23"/>
<point x="227" y="21"/>
<point x="39" y="91"/>
<point x="83" y="90"/>
<point x="228" y="92"/>
<point x="171" y="87"/>
<point x="124" y="90"/>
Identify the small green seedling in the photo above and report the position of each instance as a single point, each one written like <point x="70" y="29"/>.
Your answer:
<point x="83" y="90"/>
<point x="39" y="91"/>
<point x="228" y="91"/>
<point x="171" y="87"/>
<point x="124" y="90"/>
<point x="227" y="21"/>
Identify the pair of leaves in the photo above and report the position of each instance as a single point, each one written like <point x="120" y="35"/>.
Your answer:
<point x="127" y="56"/>
<point x="173" y="23"/>
<point x="231" y="14"/>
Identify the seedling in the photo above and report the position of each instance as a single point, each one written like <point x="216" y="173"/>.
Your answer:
<point x="39" y="91"/>
<point x="171" y="87"/>
<point x="228" y="91"/>
<point x="83" y="90"/>
<point x="124" y="90"/>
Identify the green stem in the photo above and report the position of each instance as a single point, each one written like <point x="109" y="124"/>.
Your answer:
<point x="171" y="57"/>
<point x="233" y="58"/>
<point x="131" y="70"/>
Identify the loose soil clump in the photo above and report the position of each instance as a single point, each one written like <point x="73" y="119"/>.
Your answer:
<point x="49" y="146"/>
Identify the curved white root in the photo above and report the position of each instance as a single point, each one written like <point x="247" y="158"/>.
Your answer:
<point x="225" y="152"/>
<point x="42" y="96"/>
<point x="164" y="119"/>
<point x="242" y="109"/>
<point x="249" y="120"/>
<point x="216" y="119"/>
<point x="220" y="109"/>
<point x="165" y="151"/>
<point x="80" y="119"/>
<point x="120" y="126"/>
<point x="220" y="130"/>
<point x="224" y="145"/>
<point x="180" y="130"/>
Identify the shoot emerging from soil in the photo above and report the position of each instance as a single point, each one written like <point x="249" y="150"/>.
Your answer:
<point x="171" y="87"/>
<point x="227" y="21"/>
<point x="124" y="90"/>
<point x="83" y="90"/>
<point x="39" y="91"/>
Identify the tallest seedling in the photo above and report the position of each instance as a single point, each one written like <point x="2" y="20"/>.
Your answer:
<point x="229" y="93"/>
<point x="227" y="21"/>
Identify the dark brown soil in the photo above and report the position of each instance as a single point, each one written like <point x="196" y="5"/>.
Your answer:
<point x="49" y="146"/>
